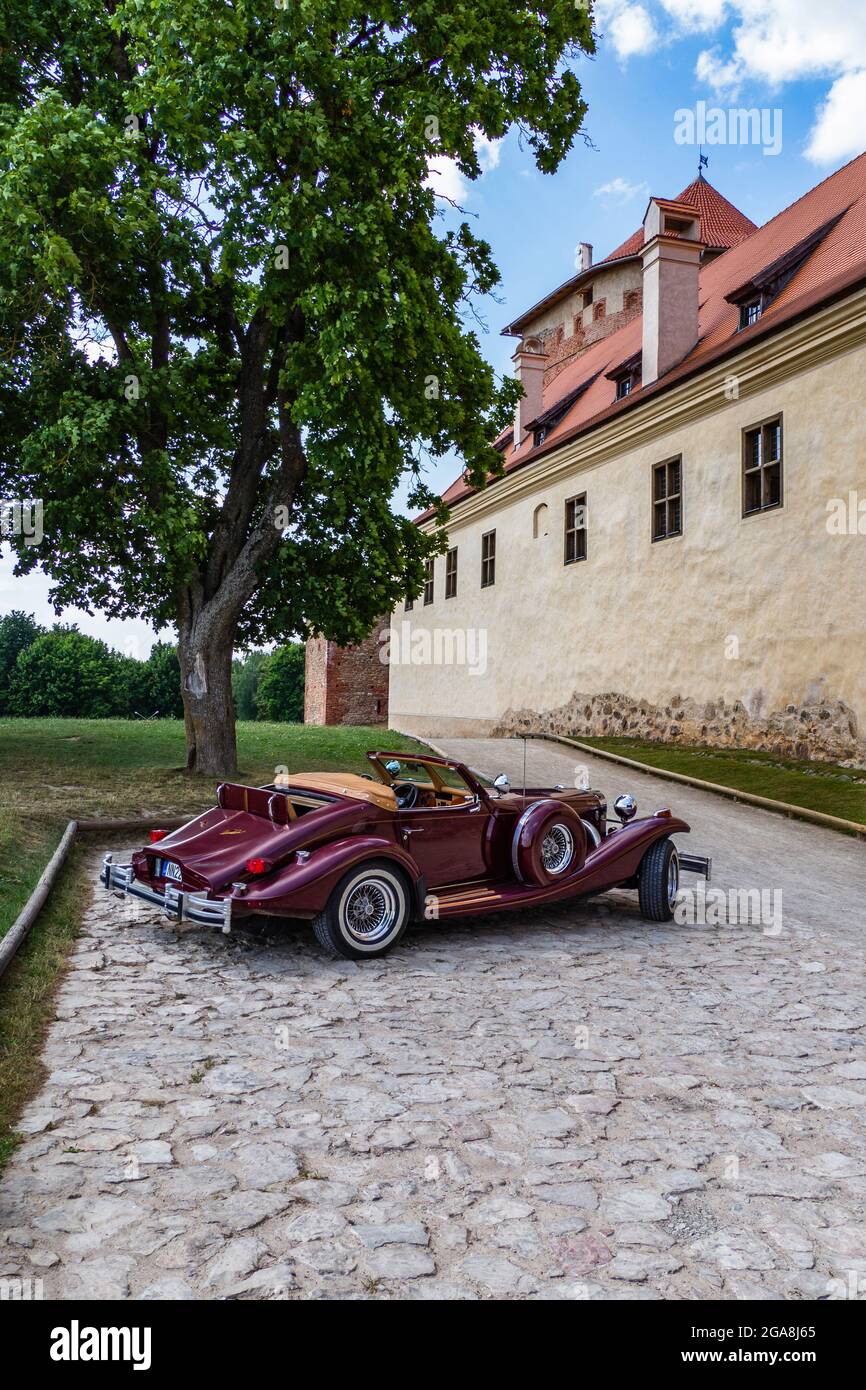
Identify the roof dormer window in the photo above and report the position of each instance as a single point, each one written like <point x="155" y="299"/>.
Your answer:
<point x="626" y="376"/>
<point x="751" y="312"/>
<point x="757" y="294"/>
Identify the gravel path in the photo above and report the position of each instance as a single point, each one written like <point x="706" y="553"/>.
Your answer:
<point x="555" y="1104"/>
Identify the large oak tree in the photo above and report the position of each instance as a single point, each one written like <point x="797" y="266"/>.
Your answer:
<point x="229" y="318"/>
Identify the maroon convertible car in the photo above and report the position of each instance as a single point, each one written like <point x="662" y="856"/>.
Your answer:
<point x="417" y="837"/>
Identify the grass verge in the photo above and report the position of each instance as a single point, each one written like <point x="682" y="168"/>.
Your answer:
<point x="27" y="994"/>
<point x="837" y="791"/>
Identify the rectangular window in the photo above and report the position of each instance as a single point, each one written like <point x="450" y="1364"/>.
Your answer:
<point x="762" y="466"/>
<point x="667" y="499"/>
<point x="750" y="313"/>
<point x="428" y="580"/>
<point x="408" y="605"/>
<point x="451" y="573"/>
<point x="488" y="559"/>
<point x="623" y="387"/>
<point x="575" y="529"/>
<point x="587" y="297"/>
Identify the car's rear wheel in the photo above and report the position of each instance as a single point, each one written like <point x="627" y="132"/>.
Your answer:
<point x="658" y="881"/>
<point x="367" y="912"/>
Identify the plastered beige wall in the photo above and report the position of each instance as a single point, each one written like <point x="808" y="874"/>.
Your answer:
<point x="609" y="283"/>
<point x="656" y="620"/>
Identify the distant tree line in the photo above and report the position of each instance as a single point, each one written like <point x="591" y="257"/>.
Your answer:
<point x="270" y="685"/>
<point x="62" y="671"/>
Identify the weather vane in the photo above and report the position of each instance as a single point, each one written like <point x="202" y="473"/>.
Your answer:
<point x="703" y="160"/>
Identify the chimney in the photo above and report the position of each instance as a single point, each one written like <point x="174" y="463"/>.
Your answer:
<point x="671" y="264"/>
<point x="530" y="361"/>
<point x="584" y="255"/>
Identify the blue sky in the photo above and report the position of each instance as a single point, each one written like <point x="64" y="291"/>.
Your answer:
<point x="655" y="58"/>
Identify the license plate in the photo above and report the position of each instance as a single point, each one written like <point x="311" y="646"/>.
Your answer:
<point x="168" y="869"/>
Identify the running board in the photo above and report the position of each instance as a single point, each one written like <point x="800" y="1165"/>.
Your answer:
<point x="697" y="864"/>
<point x="465" y="897"/>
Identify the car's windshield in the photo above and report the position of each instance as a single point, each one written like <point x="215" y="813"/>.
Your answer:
<point x="408" y="770"/>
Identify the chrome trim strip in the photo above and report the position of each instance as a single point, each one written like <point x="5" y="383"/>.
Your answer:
<point x="592" y="832"/>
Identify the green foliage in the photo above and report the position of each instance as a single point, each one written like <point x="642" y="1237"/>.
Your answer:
<point x="245" y="683"/>
<point x="280" y="694"/>
<point x="18" y="631"/>
<point x="232" y="200"/>
<point x="161" y="683"/>
<point x="65" y="672"/>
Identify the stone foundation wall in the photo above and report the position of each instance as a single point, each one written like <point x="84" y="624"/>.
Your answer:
<point x="821" y="732"/>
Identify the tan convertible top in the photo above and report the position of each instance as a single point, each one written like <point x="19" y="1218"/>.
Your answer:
<point x="342" y="783"/>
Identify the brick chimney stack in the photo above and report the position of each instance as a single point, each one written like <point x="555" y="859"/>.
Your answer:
<point x="671" y="264"/>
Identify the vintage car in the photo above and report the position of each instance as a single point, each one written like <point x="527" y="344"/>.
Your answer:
<point x="416" y="837"/>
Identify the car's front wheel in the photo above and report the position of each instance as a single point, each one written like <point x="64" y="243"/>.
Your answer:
<point x="658" y="881"/>
<point x="367" y="912"/>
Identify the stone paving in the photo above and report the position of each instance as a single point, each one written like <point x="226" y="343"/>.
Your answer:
<point x="553" y="1104"/>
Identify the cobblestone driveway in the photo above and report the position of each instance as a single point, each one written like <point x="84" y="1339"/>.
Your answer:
<point x="565" y="1104"/>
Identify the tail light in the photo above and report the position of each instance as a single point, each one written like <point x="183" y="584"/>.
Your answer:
<point x="157" y="835"/>
<point x="258" y="866"/>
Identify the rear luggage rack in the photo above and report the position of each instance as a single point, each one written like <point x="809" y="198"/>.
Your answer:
<point x="175" y="902"/>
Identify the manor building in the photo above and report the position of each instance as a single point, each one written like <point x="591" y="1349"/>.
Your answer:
<point x="676" y="546"/>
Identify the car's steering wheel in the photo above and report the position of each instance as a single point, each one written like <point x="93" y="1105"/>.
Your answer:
<point x="406" y="794"/>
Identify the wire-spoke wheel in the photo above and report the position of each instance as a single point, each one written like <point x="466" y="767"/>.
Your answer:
<point x="367" y="912"/>
<point x="557" y="848"/>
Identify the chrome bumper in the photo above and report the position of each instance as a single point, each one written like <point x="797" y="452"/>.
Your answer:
<point x="696" y="864"/>
<point x="175" y="903"/>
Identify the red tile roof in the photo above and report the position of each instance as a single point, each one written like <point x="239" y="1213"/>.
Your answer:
<point x="722" y="226"/>
<point x="837" y="263"/>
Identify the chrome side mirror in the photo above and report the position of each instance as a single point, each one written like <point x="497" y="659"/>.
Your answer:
<point x="502" y="784"/>
<point x="625" y="807"/>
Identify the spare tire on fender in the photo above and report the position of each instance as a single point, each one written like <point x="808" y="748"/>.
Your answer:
<point x="549" y="843"/>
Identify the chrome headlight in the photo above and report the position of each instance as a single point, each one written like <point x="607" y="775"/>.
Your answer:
<point x="625" y="807"/>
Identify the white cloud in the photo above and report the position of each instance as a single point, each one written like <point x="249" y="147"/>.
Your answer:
<point x="621" y="191"/>
<point x="444" y="177"/>
<point x="696" y="15"/>
<point x="784" y="40"/>
<point x="488" y="152"/>
<point x="840" y="128"/>
<point x="629" y="28"/>
<point x="724" y="77"/>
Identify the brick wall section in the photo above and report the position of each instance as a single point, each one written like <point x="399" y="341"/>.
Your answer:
<point x="561" y="349"/>
<point x="346" y="685"/>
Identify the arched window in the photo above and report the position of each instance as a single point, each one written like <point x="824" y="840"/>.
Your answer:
<point x="539" y="521"/>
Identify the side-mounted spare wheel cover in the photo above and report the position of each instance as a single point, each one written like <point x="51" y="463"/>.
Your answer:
<point x="549" y="843"/>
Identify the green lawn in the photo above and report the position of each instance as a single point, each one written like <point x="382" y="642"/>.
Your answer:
<point x="837" y="791"/>
<point x="56" y="770"/>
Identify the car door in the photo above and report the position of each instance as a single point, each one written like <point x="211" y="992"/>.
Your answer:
<point x="448" y="843"/>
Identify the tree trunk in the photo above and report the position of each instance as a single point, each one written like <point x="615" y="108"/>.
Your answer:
<point x="205" y="657"/>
